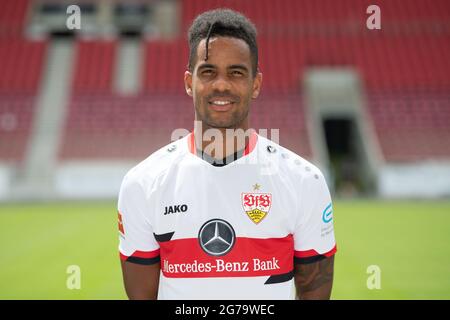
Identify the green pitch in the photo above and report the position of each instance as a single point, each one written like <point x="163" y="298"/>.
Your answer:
<point x="408" y="241"/>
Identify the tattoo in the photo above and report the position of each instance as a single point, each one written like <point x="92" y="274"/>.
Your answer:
<point x="314" y="280"/>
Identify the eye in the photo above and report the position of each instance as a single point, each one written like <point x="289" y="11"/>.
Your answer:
<point x="237" y="73"/>
<point x="207" y="72"/>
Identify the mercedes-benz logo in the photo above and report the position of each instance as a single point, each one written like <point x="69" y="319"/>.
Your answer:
<point x="216" y="237"/>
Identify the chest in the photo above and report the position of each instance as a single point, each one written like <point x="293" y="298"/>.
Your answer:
<point x="251" y="203"/>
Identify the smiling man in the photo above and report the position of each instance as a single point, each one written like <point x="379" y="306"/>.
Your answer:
<point x="222" y="80"/>
<point x="225" y="213"/>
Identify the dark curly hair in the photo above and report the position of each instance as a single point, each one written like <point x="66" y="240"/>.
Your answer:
<point x="226" y="23"/>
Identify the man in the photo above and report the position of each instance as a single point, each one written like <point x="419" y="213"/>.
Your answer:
<point x="238" y="220"/>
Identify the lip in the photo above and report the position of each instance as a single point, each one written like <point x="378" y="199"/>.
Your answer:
<point x="220" y="108"/>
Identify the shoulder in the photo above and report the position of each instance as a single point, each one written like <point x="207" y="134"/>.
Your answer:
<point x="289" y="164"/>
<point x="155" y="165"/>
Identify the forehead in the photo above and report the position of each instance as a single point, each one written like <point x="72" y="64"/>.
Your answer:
<point x="224" y="50"/>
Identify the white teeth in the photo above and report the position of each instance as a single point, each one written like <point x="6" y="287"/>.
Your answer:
<point x="221" y="103"/>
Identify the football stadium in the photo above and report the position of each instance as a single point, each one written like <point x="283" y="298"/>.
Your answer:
<point x="89" y="88"/>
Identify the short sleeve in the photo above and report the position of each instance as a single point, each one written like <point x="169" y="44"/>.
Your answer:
<point x="137" y="243"/>
<point x="314" y="234"/>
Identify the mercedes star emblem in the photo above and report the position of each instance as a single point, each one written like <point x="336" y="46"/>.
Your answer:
<point x="216" y="237"/>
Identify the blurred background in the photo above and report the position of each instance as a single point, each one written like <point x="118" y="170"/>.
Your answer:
<point x="79" y="108"/>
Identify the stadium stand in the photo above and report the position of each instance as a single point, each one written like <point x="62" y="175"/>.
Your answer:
<point x="395" y="69"/>
<point x="22" y="64"/>
<point x="406" y="84"/>
<point x="13" y="18"/>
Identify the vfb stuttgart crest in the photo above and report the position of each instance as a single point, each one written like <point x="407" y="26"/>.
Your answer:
<point x="256" y="205"/>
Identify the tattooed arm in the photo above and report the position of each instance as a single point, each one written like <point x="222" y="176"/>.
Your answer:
<point x="314" y="281"/>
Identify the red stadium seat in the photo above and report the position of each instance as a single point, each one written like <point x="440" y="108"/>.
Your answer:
<point x="404" y="68"/>
<point x="22" y="64"/>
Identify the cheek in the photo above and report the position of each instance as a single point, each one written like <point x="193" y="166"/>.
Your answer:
<point x="198" y="90"/>
<point x="198" y="95"/>
<point x="247" y="91"/>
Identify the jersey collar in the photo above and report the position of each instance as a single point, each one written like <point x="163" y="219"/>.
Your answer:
<point x="248" y="148"/>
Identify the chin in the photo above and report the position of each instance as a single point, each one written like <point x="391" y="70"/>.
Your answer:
<point x="221" y="125"/>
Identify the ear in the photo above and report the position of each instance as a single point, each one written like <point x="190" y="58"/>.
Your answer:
<point x="188" y="82"/>
<point x="257" y="85"/>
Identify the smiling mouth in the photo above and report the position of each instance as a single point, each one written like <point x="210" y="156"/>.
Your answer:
<point x="220" y="102"/>
<point x="221" y="105"/>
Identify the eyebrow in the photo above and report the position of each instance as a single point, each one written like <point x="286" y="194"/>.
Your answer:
<point x="206" y="65"/>
<point x="233" y="66"/>
<point x="239" y="66"/>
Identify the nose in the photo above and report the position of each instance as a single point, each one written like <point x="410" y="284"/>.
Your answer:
<point x="221" y="84"/>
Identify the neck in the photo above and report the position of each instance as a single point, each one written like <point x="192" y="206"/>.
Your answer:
<point x="220" y="143"/>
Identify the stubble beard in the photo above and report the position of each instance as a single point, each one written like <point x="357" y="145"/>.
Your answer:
<point x="234" y="120"/>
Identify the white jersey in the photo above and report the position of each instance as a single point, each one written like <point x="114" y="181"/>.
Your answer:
<point x="225" y="232"/>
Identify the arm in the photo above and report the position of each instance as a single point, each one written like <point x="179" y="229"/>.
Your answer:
<point x="141" y="281"/>
<point x="314" y="281"/>
<point x="314" y="242"/>
<point x="139" y="250"/>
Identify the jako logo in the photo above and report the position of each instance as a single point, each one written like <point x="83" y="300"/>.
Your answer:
<point x="327" y="214"/>
<point x="175" y="209"/>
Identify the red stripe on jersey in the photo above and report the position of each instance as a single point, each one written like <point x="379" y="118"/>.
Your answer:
<point x="141" y="254"/>
<point x="251" y="144"/>
<point x="248" y="148"/>
<point x="121" y="224"/>
<point x="312" y="253"/>
<point x="249" y="257"/>
<point x="191" y="142"/>
<point x="122" y="256"/>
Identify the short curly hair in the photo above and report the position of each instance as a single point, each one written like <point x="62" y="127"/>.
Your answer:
<point x="222" y="22"/>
